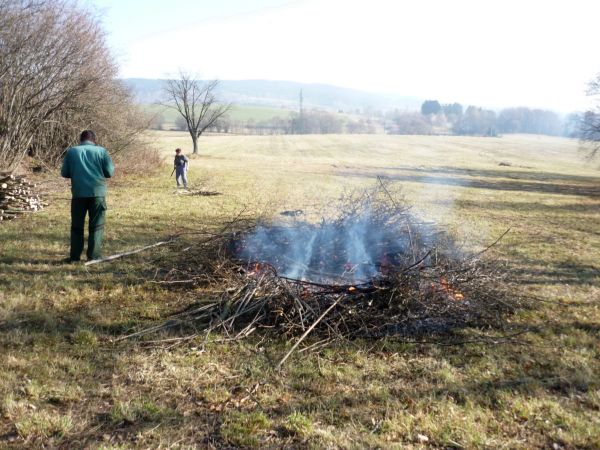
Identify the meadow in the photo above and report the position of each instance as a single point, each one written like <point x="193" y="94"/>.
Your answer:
<point x="65" y="382"/>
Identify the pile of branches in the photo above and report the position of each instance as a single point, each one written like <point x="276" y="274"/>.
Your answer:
<point x="430" y="290"/>
<point x="17" y="197"/>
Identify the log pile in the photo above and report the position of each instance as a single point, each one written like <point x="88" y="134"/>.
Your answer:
<point x="17" y="197"/>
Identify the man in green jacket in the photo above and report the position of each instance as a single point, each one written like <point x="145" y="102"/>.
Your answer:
<point x="87" y="165"/>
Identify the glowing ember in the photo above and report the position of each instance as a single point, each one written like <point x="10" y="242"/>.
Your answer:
<point x="449" y="290"/>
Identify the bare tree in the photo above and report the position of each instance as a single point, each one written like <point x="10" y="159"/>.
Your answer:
<point x="590" y="123"/>
<point x="197" y="103"/>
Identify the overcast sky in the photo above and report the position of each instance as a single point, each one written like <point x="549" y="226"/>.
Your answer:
<point x="486" y="52"/>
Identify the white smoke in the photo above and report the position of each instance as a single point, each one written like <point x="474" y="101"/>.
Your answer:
<point x="347" y="250"/>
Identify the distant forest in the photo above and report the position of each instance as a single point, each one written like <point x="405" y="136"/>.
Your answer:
<point x="331" y="110"/>
<point x="450" y="119"/>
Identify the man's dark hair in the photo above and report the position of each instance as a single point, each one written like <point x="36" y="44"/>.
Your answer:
<point x="87" y="135"/>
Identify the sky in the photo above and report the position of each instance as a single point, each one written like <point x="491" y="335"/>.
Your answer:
<point x="492" y="53"/>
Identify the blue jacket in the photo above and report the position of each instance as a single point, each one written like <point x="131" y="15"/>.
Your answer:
<point x="87" y="165"/>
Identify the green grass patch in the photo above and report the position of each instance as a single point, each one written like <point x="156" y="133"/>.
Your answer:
<point x="43" y="425"/>
<point x="245" y="429"/>
<point x="298" y="424"/>
<point x="139" y="411"/>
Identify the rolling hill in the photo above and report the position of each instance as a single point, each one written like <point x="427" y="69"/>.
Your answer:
<point x="285" y="94"/>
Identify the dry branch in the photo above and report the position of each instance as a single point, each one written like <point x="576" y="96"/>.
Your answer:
<point x="129" y="253"/>
<point x="307" y="332"/>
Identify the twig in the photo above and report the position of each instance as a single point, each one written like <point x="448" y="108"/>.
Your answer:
<point x="307" y="332"/>
<point x="489" y="246"/>
<point x="173" y="282"/>
<point x="328" y="286"/>
<point x="148" y="330"/>
<point x="410" y="237"/>
<point x="406" y="269"/>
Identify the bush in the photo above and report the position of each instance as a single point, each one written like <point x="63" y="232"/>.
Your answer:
<point x="57" y="78"/>
<point x="316" y="122"/>
<point x="141" y="159"/>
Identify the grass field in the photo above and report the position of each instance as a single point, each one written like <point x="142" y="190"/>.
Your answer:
<point x="65" y="383"/>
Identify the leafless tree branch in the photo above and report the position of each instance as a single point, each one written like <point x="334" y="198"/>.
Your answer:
<point x="56" y="78"/>
<point x="589" y="127"/>
<point x="196" y="102"/>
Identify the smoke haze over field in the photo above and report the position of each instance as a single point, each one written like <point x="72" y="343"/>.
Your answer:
<point x="490" y="53"/>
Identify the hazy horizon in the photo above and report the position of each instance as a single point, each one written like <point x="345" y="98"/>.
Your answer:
<point x="492" y="54"/>
<point x="401" y="107"/>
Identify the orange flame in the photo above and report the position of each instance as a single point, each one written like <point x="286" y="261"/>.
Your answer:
<point x="449" y="290"/>
<point x="257" y="269"/>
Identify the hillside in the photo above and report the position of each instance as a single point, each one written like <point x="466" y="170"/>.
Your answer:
<point x="285" y="94"/>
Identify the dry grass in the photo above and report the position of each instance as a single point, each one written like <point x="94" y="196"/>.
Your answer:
<point x="63" y="383"/>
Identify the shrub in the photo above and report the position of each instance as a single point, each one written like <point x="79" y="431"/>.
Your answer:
<point x="57" y="78"/>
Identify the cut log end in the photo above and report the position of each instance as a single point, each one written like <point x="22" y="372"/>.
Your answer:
<point x="17" y="197"/>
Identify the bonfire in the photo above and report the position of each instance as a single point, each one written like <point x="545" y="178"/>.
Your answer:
<point x="371" y="271"/>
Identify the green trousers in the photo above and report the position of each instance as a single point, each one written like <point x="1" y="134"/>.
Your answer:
<point x="96" y="207"/>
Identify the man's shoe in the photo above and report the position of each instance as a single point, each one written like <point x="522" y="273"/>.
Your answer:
<point x="69" y="260"/>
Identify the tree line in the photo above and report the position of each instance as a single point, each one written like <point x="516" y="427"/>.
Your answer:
<point x="433" y="118"/>
<point x="309" y="122"/>
<point x="475" y="120"/>
<point x="57" y="77"/>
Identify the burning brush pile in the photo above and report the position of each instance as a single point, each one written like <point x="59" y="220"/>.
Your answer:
<point x="373" y="271"/>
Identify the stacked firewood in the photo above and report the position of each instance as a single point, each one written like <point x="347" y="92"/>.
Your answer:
<point x="17" y="197"/>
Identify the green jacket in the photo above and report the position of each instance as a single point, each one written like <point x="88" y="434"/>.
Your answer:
<point x="87" y="165"/>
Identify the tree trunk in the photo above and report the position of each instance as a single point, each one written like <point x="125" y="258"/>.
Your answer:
<point x="195" y="142"/>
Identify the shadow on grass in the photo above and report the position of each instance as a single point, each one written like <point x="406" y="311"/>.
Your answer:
<point x="557" y="274"/>
<point x="35" y="326"/>
<point x="536" y="182"/>
<point x="533" y="207"/>
<point x="494" y="173"/>
<point x="528" y="370"/>
<point x="19" y="256"/>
